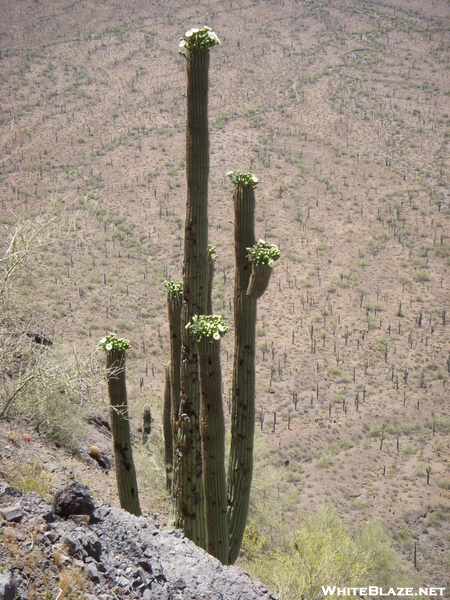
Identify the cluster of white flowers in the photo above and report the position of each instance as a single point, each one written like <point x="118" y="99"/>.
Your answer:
<point x="112" y="343"/>
<point x="174" y="288"/>
<point x="210" y="327"/>
<point x="245" y="179"/>
<point x="198" y="39"/>
<point x="263" y="254"/>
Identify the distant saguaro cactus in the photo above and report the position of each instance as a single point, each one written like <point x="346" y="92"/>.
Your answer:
<point x="146" y="423"/>
<point x="120" y="424"/>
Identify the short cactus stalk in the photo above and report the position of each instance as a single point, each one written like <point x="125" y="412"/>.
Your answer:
<point x="174" y="303"/>
<point x="207" y="331"/>
<point x="146" y="423"/>
<point x="212" y="256"/>
<point x="167" y="428"/>
<point x="189" y="500"/>
<point x="120" y="424"/>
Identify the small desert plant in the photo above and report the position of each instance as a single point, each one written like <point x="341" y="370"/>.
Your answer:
<point x="322" y="549"/>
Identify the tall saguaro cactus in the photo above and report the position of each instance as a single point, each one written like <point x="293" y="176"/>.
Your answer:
<point x="189" y="501"/>
<point x="207" y="331"/>
<point x="199" y="478"/>
<point x="120" y="424"/>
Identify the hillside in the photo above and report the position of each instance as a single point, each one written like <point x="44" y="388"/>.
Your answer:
<point x="342" y="110"/>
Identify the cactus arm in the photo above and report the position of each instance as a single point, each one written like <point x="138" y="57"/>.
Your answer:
<point x="259" y="281"/>
<point x="211" y="260"/>
<point x="212" y="427"/>
<point x="167" y="426"/>
<point x="174" y="302"/>
<point x="240" y="467"/>
<point x="120" y="426"/>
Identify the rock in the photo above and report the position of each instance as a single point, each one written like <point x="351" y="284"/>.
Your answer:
<point x="73" y="547"/>
<point x="8" y="586"/>
<point x="7" y="490"/>
<point x="147" y="595"/>
<point x="73" y="500"/>
<point x="92" y="547"/>
<point x="14" y="534"/>
<point x="13" y="514"/>
<point x="92" y="573"/>
<point x="123" y="581"/>
<point x="78" y="519"/>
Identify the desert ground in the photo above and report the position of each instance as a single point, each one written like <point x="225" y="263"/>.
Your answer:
<point x="342" y="110"/>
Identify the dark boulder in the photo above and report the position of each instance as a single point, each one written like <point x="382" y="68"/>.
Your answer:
<point x="73" y="500"/>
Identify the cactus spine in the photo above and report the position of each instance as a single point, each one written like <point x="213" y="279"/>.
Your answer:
<point x="120" y="423"/>
<point x="189" y="501"/>
<point x="167" y="427"/>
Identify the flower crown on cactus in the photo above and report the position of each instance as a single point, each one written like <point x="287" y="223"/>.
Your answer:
<point x="111" y="343"/>
<point x="209" y="327"/>
<point x="263" y="254"/>
<point x="174" y="288"/>
<point x="198" y="39"/>
<point x="246" y="179"/>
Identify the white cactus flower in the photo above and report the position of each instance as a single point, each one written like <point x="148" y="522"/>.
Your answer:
<point x="108" y="347"/>
<point x="216" y="335"/>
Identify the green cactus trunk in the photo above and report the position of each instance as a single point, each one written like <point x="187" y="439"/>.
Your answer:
<point x="120" y="426"/>
<point x="167" y="426"/>
<point x="189" y="501"/>
<point x="174" y="302"/>
<point x="240" y="468"/>
<point x="212" y="426"/>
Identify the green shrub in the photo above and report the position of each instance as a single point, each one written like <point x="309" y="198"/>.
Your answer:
<point x="322" y="550"/>
<point x="443" y="483"/>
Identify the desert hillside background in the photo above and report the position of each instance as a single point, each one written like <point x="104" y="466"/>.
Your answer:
<point x="342" y="109"/>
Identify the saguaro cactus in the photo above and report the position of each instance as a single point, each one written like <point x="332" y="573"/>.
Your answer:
<point x="189" y="501"/>
<point x="207" y="331"/>
<point x="120" y="424"/>
<point x="240" y="468"/>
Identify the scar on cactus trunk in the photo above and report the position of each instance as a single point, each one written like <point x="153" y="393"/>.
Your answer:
<point x="120" y="423"/>
<point x="207" y="331"/>
<point x="240" y="467"/>
<point x="189" y="511"/>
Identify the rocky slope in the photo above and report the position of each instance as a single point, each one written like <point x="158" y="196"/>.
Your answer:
<point x="106" y="554"/>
